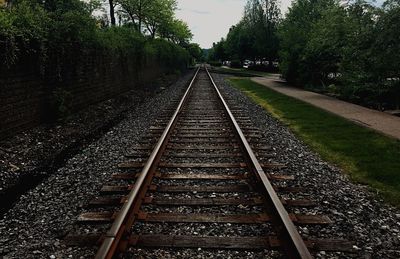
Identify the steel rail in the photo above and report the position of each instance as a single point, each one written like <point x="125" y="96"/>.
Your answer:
<point x="293" y="243"/>
<point x="124" y="220"/>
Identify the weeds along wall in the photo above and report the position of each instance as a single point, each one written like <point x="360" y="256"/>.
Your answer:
<point x="35" y="90"/>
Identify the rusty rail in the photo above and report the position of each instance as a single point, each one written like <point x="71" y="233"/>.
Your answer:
<point x="125" y="219"/>
<point x="287" y="232"/>
<point x="294" y="244"/>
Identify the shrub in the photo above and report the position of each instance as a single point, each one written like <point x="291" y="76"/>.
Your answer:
<point x="56" y="33"/>
<point x="236" y="64"/>
<point x="215" y="63"/>
<point x="23" y="31"/>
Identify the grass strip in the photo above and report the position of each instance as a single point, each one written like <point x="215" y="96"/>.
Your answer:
<point x="239" y="71"/>
<point x="367" y="156"/>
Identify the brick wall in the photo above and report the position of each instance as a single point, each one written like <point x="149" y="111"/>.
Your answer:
<point x="27" y="98"/>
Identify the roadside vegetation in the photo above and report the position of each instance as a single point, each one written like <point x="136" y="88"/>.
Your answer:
<point x="366" y="156"/>
<point x="52" y="33"/>
<point x="348" y="50"/>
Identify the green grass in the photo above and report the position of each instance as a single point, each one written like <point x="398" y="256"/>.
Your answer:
<point x="242" y="70"/>
<point x="367" y="156"/>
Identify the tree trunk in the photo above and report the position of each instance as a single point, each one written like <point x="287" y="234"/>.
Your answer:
<point x="140" y="17"/>
<point x="112" y="12"/>
<point x="397" y="97"/>
<point x="270" y="64"/>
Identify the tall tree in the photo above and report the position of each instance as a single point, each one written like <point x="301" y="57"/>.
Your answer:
<point x="240" y="42"/>
<point x="262" y="17"/>
<point x="294" y="34"/>
<point x="148" y="15"/>
<point x="272" y="16"/>
<point x="112" y="11"/>
<point x="176" y="31"/>
<point x="160" y="13"/>
<point x="387" y="48"/>
<point x="136" y="11"/>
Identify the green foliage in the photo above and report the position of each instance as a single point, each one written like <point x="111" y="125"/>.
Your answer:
<point x="323" y="51"/>
<point x="295" y="33"/>
<point x="215" y="63"/>
<point x="56" y="32"/>
<point x="196" y="52"/>
<point x="22" y="31"/>
<point x="155" y="17"/>
<point x="122" y="40"/>
<point x="61" y="103"/>
<point x="354" y="47"/>
<point x="168" y="54"/>
<point x="254" y="37"/>
<point x="236" y="63"/>
<point x="150" y="14"/>
<point x="177" y="32"/>
<point x="218" y="51"/>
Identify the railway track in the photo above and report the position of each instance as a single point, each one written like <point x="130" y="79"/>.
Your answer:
<point x="206" y="165"/>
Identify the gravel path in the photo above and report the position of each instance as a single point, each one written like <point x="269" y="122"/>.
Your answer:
<point x="357" y="213"/>
<point x="34" y="227"/>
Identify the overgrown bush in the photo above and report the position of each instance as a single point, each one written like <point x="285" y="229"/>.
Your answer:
<point x="23" y="31"/>
<point x="169" y="54"/>
<point x="215" y="63"/>
<point x="56" y="33"/>
<point x="236" y="64"/>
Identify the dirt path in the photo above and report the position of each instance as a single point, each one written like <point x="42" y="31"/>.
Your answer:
<point x="379" y="121"/>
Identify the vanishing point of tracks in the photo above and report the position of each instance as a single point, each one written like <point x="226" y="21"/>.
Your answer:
<point x="204" y="160"/>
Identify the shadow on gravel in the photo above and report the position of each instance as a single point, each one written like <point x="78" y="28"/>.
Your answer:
<point x="30" y="179"/>
<point x="36" y="163"/>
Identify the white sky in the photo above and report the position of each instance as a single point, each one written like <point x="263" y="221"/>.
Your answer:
<point x="209" y="20"/>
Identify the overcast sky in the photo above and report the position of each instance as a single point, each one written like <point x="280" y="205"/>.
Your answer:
<point x="209" y="20"/>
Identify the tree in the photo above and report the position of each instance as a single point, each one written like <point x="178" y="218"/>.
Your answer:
<point x="160" y="13"/>
<point x="176" y="31"/>
<point x="272" y="17"/>
<point x="148" y="14"/>
<point x="219" y="50"/>
<point x="387" y="48"/>
<point x="93" y="5"/>
<point x="195" y="51"/>
<point x="239" y="42"/>
<point x="262" y="18"/>
<point x="361" y="79"/>
<point x="323" y="51"/>
<point x="255" y="36"/>
<point x="370" y="66"/>
<point x="112" y="5"/>
<point x="135" y="10"/>
<point x="253" y="21"/>
<point x="294" y="34"/>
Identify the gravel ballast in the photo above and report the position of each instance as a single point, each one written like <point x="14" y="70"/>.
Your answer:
<point x="32" y="155"/>
<point x="358" y="214"/>
<point x="36" y="225"/>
